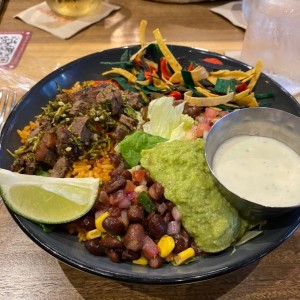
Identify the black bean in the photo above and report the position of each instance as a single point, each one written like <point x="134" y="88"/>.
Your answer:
<point x="157" y="226"/>
<point x="156" y="262"/>
<point x="115" y="211"/>
<point x="103" y="197"/>
<point x="113" y="225"/>
<point x="182" y="241"/>
<point x="130" y="255"/>
<point x="121" y="173"/>
<point x="115" y="184"/>
<point x="88" y="222"/>
<point x="156" y="191"/>
<point x="111" y="242"/>
<point x="134" y="237"/>
<point x="169" y="205"/>
<point x="113" y="255"/>
<point x="94" y="247"/>
<point x="100" y="206"/>
<point x="135" y="213"/>
<point x="192" y="111"/>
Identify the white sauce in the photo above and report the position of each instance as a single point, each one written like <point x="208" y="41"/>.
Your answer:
<point x="259" y="169"/>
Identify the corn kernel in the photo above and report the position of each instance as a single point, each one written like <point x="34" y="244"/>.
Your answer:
<point x="99" y="221"/>
<point x="183" y="256"/>
<point x="166" y="245"/>
<point x="141" y="261"/>
<point x="92" y="234"/>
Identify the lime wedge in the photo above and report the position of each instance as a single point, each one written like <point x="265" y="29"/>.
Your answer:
<point x="46" y="199"/>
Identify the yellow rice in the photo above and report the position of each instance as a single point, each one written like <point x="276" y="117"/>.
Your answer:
<point x="99" y="168"/>
<point x="25" y="132"/>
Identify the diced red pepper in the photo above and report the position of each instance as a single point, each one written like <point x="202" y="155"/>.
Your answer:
<point x="191" y="67"/>
<point x="164" y="68"/>
<point x="176" y="95"/>
<point x="241" y="87"/>
<point x="213" y="60"/>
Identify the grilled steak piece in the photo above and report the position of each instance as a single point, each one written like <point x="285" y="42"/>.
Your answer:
<point x="112" y="96"/>
<point x="26" y="163"/>
<point x="133" y="99"/>
<point x="127" y="121"/>
<point x="61" y="167"/>
<point x="66" y="145"/>
<point x="120" y="132"/>
<point x="79" y="128"/>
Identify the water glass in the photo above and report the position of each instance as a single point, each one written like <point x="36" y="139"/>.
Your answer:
<point x="272" y="35"/>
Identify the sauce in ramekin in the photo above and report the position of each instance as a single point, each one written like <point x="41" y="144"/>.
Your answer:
<point x="259" y="169"/>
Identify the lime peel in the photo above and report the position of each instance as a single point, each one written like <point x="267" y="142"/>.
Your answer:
<point x="48" y="200"/>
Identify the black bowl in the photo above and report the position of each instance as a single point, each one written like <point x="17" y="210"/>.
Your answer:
<point x="66" y="247"/>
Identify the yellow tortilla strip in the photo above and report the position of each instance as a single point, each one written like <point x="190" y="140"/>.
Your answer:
<point x="198" y="74"/>
<point x="166" y="52"/>
<point x="241" y="95"/>
<point x="139" y="52"/>
<point x="239" y="75"/>
<point x="129" y="76"/>
<point x="158" y="83"/>
<point x="207" y="101"/>
<point x="142" y="33"/>
<point x="257" y="71"/>
<point x="176" y="78"/>
<point x="205" y="92"/>
<point x="247" y="101"/>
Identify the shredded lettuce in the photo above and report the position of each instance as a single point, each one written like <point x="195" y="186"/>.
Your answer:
<point x="166" y="120"/>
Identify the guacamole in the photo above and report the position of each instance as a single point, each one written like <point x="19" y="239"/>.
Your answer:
<point x="180" y="166"/>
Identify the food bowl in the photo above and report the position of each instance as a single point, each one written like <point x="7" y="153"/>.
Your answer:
<point x="259" y="122"/>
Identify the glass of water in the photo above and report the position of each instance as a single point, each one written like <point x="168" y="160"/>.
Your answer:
<point x="273" y="36"/>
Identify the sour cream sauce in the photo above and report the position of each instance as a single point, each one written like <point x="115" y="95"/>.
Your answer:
<point x="260" y="169"/>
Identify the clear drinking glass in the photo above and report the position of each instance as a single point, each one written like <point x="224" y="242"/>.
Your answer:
<point x="273" y="36"/>
<point x="74" y="8"/>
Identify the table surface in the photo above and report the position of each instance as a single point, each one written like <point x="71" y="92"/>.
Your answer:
<point x="26" y="271"/>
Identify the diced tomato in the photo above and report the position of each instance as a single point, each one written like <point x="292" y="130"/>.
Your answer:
<point x="130" y="186"/>
<point x="176" y="95"/>
<point x="241" y="87"/>
<point x="213" y="60"/>
<point x="210" y="113"/>
<point x="199" y="129"/>
<point x="139" y="175"/>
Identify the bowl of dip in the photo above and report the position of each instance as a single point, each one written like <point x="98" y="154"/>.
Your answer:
<point x="254" y="157"/>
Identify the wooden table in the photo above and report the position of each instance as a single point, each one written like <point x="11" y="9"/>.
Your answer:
<point x="26" y="271"/>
